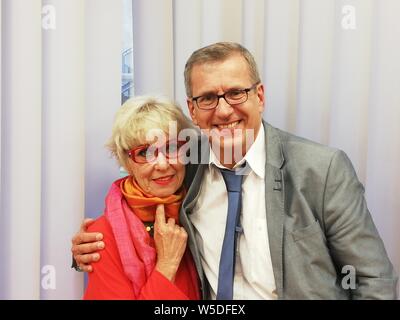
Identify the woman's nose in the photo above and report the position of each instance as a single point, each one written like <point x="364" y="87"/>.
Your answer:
<point x="161" y="162"/>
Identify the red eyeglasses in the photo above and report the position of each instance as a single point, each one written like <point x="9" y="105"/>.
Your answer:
<point x="149" y="152"/>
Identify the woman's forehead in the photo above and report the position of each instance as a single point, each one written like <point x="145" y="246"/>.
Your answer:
<point x="156" y="137"/>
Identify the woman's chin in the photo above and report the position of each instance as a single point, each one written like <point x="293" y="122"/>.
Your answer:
<point x="163" y="191"/>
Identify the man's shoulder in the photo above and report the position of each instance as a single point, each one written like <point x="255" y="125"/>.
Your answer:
<point x="292" y="144"/>
<point x="301" y="155"/>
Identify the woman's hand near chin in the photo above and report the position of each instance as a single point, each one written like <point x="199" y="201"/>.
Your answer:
<point x="170" y="242"/>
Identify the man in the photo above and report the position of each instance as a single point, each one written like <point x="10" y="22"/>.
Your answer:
<point x="304" y="231"/>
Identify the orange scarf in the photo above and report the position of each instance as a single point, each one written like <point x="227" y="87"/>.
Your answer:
<point x="144" y="205"/>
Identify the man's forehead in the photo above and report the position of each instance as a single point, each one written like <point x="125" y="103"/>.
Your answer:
<point x="206" y="81"/>
<point x="239" y="60"/>
<point x="231" y="64"/>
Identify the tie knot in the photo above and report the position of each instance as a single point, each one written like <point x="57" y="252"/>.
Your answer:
<point x="233" y="180"/>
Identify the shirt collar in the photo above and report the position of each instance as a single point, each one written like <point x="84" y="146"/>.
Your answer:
<point x="255" y="156"/>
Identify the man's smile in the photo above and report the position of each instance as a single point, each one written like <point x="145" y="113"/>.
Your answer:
<point x="231" y="125"/>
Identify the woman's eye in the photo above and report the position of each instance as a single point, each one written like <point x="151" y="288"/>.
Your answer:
<point x="143" y="152"/>
<point x="172" y="147"/>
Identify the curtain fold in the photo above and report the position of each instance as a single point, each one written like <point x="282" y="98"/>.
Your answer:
<point x="103" y="59"/>
<point x="21" y="148"/>
<point x="315" y="68"/>
<point x="351" y="80"/>
<point x="153" y="67"/>
<point x="383" y="129"/>
<point x="279" y="62"/>
<point x="63" y="163"/>
<point x="2" y="216"/>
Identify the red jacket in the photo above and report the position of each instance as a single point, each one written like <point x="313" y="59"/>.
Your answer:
<point x="108" y="280"/>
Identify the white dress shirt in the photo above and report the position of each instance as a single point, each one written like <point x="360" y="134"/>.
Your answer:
<point x="254" y="277"/>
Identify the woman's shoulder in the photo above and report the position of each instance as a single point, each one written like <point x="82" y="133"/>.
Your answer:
<point x="99" y="222"/>
<point x="108" y="279"/>
<point x="110" y="251"/>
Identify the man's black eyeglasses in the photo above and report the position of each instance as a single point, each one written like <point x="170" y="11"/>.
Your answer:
<point x="233" y="97"/>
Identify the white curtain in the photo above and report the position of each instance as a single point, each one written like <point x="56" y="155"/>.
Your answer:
<point x="60" y="88"/>
<point x="331" y="69"/>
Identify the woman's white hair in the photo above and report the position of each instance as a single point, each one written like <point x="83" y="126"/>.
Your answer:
<point x="139" y="115"/>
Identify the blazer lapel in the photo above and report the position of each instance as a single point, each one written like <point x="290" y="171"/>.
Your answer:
<point x="274" y="202"/>
<point x="197" y="171"/>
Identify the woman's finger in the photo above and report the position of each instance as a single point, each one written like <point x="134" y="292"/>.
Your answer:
<point x="160" y="215"/>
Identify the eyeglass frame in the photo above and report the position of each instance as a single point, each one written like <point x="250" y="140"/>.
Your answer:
<point x="219" y="96"/>
<point x="155" y="151"/>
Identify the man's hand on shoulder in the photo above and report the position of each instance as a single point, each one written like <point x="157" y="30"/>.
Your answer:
<point x="85" y="246"/>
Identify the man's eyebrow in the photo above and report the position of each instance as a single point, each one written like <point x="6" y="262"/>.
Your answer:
<point x="215" y="92"/>
<point x="206" y="93"/>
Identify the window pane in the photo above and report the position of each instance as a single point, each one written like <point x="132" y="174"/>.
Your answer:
<point x="127" y="53"/>
<point x="127" y="89"/>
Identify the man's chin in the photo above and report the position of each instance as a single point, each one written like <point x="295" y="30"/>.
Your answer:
<point x="230" y="151"/>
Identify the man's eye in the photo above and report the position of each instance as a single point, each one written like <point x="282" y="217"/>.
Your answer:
<point x="207" y="98"/>
<point x="235" y="94"/>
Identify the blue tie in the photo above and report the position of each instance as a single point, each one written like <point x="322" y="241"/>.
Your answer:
<point x="226" y="273"/>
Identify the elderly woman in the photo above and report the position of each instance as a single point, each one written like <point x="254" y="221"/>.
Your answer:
<point x="145" y="255"/>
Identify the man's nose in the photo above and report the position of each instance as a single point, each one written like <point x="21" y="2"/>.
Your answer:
<point x="223" y="109"/>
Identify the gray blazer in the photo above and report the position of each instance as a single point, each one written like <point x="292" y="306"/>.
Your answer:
<point x="318" y="223"/>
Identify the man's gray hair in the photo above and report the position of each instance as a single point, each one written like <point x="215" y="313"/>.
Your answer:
<point x="218" y="52"/>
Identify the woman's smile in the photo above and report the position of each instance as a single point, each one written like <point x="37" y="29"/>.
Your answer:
<point x="164" y="180"/>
